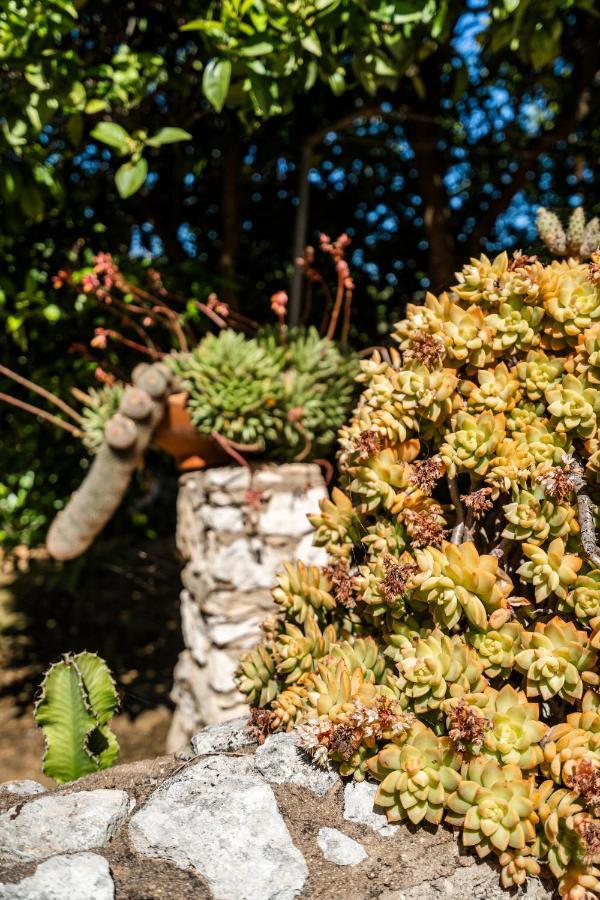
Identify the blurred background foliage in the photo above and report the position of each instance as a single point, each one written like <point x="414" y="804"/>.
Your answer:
<point x="211" y="141"/>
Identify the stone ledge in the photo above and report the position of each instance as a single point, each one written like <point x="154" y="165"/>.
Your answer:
<point x="229" y="821"/>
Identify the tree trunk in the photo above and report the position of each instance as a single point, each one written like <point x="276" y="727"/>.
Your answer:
<point x="300" y="231"/>
<point x="436" y="213"/>
<point x="231" y="222"/>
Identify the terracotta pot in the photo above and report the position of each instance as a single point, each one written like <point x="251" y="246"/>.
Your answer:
<point x="176" y="434"/>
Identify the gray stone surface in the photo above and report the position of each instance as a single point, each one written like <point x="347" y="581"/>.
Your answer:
<point x="215" y="828"/>
<point x="22" y="788"/>
<point x="281" y="761"/>
<point x="359" y="799"/>
<point x="58" y="823"/>
<point x="340" y="849"/>
<point x="472" y="882"/>
<point x="221" y="820"/>
<point x="83" y="876"/>
<point x="235" y="529"/>
<point x="224" y="738"/>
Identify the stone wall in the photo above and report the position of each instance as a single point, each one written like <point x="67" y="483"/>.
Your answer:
<point x="232" y="822"/>
<point x="235" y="528"/>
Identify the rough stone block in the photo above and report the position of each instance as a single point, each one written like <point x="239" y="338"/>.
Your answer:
<point x="58" y="823"/>
<point x="221" y="820"/>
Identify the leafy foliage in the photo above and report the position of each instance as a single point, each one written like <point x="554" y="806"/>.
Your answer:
<point x="449" y="649"/>
<point x="78" y="698"/>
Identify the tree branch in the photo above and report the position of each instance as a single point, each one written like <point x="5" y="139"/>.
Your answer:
<point x="459" y="525"/>
<point x="35" y="411"/>
<point x="586" y="514"/>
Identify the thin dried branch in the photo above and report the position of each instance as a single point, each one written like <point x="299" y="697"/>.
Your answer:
<point x="459" y="525"/>
<point x="36" y="411"/>
<point x="47" y="395"/>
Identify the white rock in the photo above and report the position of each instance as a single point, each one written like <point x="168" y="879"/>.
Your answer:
<point x="245" y="634"/>
<point x="22" y="788"/>
<point x="246" y="564"/>
<point x="80" y="877"/>
<point x="221" y="670"/>
<point x="236" y="605"/>
<point x="286" y="513"/>
<point x="221" y="820"/>
<point x="290" y="476"/>
<point x="230" y="478"/>
<point x="340" y="849"/>
<point x="359" y="798"/>
<point x="310" y="555"/>
<point x="224" y="738"/>
<point x="194" y="629"/>
<point x="223" y="518"/>
<point x="57" y="823"/>
<point x="281" y="761"/>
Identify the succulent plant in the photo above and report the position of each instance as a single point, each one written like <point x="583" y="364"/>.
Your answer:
<point x="416" y="776"/>
<point x="456" y="581"/>
<point x="437" y="667"/>
<point x="286" y="398"/>
<point x="99" y="406"/>
<point x="464" y="572"/>
<point x="496" y="807"/>
<point x="551" y="571"/>
<point x="556" y="660"/>
<point x="513" y="731"/>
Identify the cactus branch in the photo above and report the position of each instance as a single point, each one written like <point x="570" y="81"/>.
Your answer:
<point x="92" y="506"/>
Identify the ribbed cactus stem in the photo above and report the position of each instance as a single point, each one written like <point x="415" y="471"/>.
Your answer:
<point x="95" y="502"/>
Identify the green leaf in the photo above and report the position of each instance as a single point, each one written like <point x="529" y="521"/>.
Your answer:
<point x="10" y="184"/>
<point x="35" y="77"/>
<point x="77" y="96"/>
<point x="95" y="105"/>
<point x="74" y="129"/>
<point x="168" y="136"/>
<point x="52" y="312"/>
<point x="130" y="177"/>
<point x="112" y="134"/>
<point x="256" y="48"/>
<point x="311" y="44"/>
<point x="337" y="82"/>
<point x="67" y="722"/>
<point x="32" y="203"/>
<point x="215" y="82"/>
<point x="206" y="25"/>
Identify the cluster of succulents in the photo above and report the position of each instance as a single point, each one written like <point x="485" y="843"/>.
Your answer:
<point x="286" y="395"/>
<point x="281" y="397"/>
<point x="449" y="649"/>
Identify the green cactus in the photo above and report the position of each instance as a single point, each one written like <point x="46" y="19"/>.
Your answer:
<point x="77" y="700"/>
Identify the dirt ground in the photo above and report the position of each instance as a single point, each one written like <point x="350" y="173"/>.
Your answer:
<point x="120" y="601"/>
